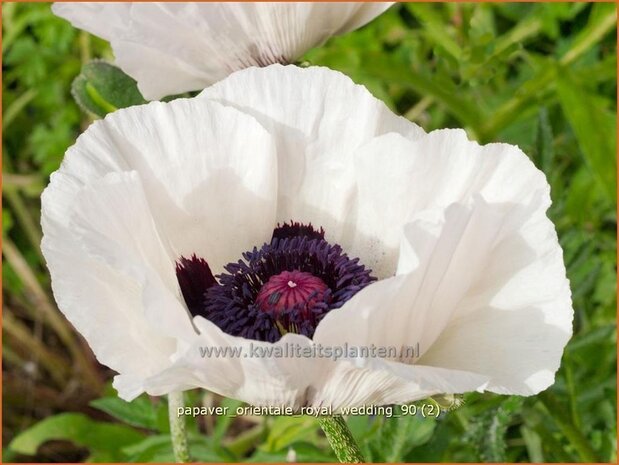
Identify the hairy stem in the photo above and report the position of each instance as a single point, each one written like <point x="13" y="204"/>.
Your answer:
<point x="341" y="440"/>
<point x="178" y="431"/>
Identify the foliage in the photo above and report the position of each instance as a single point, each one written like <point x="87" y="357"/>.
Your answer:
<point x="101" y="88"/>
<point x="542" y="76"/>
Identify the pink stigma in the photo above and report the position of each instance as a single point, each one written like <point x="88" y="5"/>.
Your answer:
<point x="291" y="290"/>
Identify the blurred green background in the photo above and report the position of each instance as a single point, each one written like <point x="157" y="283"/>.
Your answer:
<point x="542" y="76"/>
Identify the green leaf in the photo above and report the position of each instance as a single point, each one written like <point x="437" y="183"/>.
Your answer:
<point x="139" y="412"/>
<point x="151" y="449"/>
<point x="7" y="221"/>
<point x="544" y="141"/>
<point x="287" y="430"/>
<point x="363" y="427"/>
<point x="398" y="435"/>
<point x="596" y="336"/>
<point x="436" y="447"/>
<point x="602" y="20"/>
<point x="434" y="26"/>
<point x="158" y="449"/>
<point x="533" y="443"/>
<point x="594" y="127"/>
<point x="584" y="196"/>
<point x="223" y="422"/>
<point x="563" y="420"/>
<point x="102" y="439"/>
<point x="102" y="88"/>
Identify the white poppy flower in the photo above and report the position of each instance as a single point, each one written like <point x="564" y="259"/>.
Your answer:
<point x="170" y="48"/>
<point x="325" y="218"/>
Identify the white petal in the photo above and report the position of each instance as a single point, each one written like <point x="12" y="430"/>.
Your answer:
<point x="259" y="377"/>
<point x="106" y="305"/>
<point x="208" y="193"/>
<point x="398" y="177"/>
<point x="129" y="386"/>
<point x="516" y="318"/>
<point x="113" y="222"/>
<point x="158" y="72"/>
<point x="138" y="189"/>
<point x="445" y="246"/>
<point x="366" y="12"/>
<point x="319" y="118"/>
<point x="255" y="375"/>
<point x="101" y="19"/>
<point x="171" y="48"/>
<point x="379" y="382"/>
<point x="479" y="281"/>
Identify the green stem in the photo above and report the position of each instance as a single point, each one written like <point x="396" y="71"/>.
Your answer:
<point x="562" y="419"/>
<point x="415" y="111"/>
<point x="25" y="219"/>
<point x="178" y="432"/>
<point x="17" y="106"/>
<point x="341" y="440"/>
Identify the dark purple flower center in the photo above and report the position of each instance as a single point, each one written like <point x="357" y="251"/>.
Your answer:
<point x="288" y="285"/>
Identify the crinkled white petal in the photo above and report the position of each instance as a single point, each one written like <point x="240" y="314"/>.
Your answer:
<point x="170" y="48"/>
<point x="253" y="372"/>
<point x="472" y="269"/>
<point x="208" y="193"/>
<point x="447" y="247"/>
<point x="397" y="177"/>
<point x="242" y="369"/>
<point x="319" y="118"/>
<point x="109" y="303"/>
<point x="516" y="319"/>
<point x="373" y="382"/>
<point x="138" y="189"/>
<point x="113" y="223"/>
<point x="362" y="175"/>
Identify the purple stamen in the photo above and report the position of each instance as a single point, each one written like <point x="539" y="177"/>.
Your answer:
<point x="194" y="277"/>
<point x="288" y="285"/>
